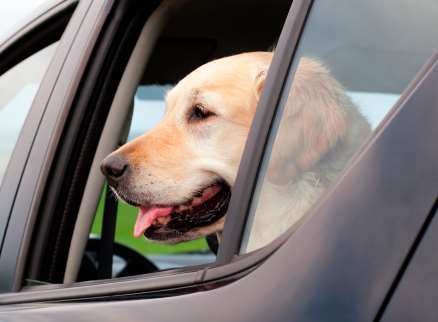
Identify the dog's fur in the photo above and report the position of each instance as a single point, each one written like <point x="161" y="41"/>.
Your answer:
<point x="319" y="132"/>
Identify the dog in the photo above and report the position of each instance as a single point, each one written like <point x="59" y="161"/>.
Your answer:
<point x="180" y="174"/>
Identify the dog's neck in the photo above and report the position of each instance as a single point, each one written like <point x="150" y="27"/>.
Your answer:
<point x="279" y="208"/>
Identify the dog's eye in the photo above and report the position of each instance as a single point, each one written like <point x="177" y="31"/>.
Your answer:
<point x="198" y="113"/>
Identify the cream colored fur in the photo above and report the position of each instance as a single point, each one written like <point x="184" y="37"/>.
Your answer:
<point x="282" y="205"/>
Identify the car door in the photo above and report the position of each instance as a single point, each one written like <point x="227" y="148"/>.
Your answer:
<point x="414" y="297"/>
<point x="340" y="264"/>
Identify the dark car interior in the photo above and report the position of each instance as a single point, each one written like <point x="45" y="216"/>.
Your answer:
<point x="205" y="30"/>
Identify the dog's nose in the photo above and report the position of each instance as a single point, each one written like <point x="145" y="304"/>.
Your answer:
<point x="113" y="167"/>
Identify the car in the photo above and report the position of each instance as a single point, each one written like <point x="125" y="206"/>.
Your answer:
<point x="81" y="77"/>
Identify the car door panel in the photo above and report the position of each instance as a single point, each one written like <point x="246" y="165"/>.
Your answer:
<point x="414" y="298"/>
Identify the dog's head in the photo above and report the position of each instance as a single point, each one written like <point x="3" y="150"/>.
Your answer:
<point x="180" y="173"/>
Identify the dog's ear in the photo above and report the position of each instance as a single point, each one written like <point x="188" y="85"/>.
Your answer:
<point x="260" y="82"/>
<point x="313" y="122"/>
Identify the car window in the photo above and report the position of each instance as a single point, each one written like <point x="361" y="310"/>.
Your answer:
<point x="195" y="200"/>
<point x="18" y="89"/>
<point x="353" y="62"/>
<point x="148" y="109"/>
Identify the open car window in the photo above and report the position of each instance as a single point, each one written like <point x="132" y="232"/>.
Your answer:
<point x="76" y="237"/>
<point x="342" y="84"/>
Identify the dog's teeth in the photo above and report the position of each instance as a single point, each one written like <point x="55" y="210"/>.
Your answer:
<point x="161" y="220"/>
<point x="207" y="191"/>
<point x="182" y="208"/>
<point x="196" y="201"/>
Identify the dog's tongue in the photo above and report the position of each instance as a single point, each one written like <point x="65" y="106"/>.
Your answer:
<point x="146" y="217"/>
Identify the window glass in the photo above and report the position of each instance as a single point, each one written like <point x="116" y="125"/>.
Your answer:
<point x="18" y="89"/>
<point x="353" y="61"/>
<point x="148" y="109"/>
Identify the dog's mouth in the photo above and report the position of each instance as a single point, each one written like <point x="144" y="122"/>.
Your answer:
<point x="162" y="222"/>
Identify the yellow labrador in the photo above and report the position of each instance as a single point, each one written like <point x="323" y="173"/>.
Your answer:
<point x="180" y="173"/>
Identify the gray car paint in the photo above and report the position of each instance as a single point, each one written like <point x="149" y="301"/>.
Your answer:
<point x="340" y="264"/>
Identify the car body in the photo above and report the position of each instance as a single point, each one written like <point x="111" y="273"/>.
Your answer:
<point x="363" y="253"/>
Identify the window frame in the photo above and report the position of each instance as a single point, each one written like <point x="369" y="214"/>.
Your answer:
<point x="290" y="22"/>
